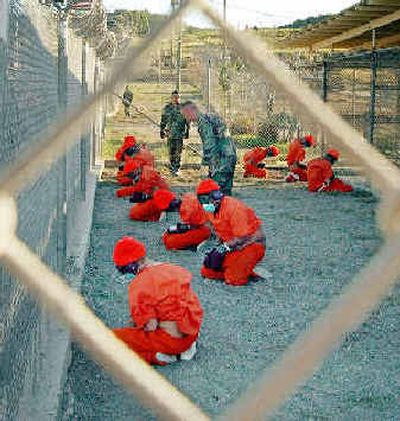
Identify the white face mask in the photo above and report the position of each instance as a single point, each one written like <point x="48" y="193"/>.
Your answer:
<point x="122" y="279"/>
<point x="209" y="207"/>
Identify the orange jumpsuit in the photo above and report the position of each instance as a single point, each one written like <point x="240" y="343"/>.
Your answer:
<point x="296" y="154"/>
<point x="234" y="219"/>
<point x="251" y="159"/>
<point x="192" y="213"/>
<point x="163" y="292"/>
<point x="319" y="171"/>
<point x="119" y="156"/>
<point x="150" y="180"/>
<point x="143" y="157"/>
<point x="128" y="143"/>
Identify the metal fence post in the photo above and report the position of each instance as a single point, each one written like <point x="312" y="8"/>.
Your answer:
<point x="397" y="132"/>
<point x="353" y="97"/>
<point x="159" y="66"/>
<point x="374" y="62"/>
<point x="84" y="138"/>
<point x="325" y="87"/>
<point x="325" y="81"/>
<point x="177" y="3"/>
<point x="209" y="85"/>
<point x="179" y="60"/>
<point x="4" y="10"/>
<point x="62" y="102"/>
<point x="95" y="124"/>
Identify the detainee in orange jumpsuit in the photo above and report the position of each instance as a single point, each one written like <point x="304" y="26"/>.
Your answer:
<point x="253" y="167"/>
<point x="146" y="181"/>
<point x="132" y="150"/>
<point x="192" y="231"/>
<point x="129" y="141"/>
<point x="297" y="154"/>
<point x="143" y="179"/>
<point x="240" y="232"/>
<point x="321" y="177"/>
<point x="166" y="312"/>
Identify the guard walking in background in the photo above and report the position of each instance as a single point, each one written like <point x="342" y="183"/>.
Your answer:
<point x="175" y="128"/>
<point x="127" y="98"/>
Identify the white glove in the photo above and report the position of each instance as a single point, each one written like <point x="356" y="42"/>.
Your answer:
<point x="223" y="248"/>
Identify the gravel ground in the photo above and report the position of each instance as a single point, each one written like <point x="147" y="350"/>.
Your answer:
<point x="316" y="243"/>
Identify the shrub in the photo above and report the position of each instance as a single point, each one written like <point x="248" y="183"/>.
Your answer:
<point x="242" y="125"/>
<point x="248" y="141"/>
<point x="268" y="131"/>
<point x="278" y="127"/>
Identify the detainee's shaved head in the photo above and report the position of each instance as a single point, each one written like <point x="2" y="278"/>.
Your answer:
<point x="190" y="111"/>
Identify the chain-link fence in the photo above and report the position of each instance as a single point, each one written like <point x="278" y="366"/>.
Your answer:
<point x="45" y="70"/>
<point x="363" y="87"/>
<point x="203" y="68"/>
<point x="255" y="113"/>
<point x="169" y="68"/>
<point x="55" y="195"/>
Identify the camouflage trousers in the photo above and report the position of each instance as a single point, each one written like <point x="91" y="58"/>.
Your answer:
<point x="224" y="180"/>
<point x="175" y="147"/>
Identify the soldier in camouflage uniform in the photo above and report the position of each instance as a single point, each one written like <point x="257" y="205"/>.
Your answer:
<point x="219" y="151"/>
<point x="127" y="99"/>
<point x="175" y="127"/>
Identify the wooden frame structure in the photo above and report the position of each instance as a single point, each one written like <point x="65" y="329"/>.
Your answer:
<point x="352" y="28"/>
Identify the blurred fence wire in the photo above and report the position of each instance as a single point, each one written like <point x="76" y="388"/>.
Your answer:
<point x="45" y="70"/>
<point x="58" y="70"/>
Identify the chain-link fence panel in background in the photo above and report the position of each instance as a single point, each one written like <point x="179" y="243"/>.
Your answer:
<point x="363" y="87"/>
<point x="168" y="70"/>
<point x="195" y="62"/>
<point x="255" y="113"/>
<point x="44" y="70"/>
<point x="47" y="233"/>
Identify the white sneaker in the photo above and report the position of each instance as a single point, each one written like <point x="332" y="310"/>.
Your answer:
<point x="166" y="358"/>
<point x="189" y="353"/>
<point x="263" y="273"/>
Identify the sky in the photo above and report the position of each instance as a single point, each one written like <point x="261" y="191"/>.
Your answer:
<point x="240" y="13"/>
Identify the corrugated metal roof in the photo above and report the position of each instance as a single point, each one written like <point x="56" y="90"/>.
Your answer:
<point x="352" y="27"/>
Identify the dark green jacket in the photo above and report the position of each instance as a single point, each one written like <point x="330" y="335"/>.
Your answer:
<point x="127" y="97"/>
<point x="219" y="151"/>
<point x="173" y="121"/>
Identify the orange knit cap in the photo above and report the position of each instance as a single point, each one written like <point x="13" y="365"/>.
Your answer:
<point x="128" y="250"/>
<point x="130" y="140"/>
<point x="207" y="186"/>
<point x="273" y="151"/>
<point x="310" y="139"/>
<point x="334" y="153"/>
